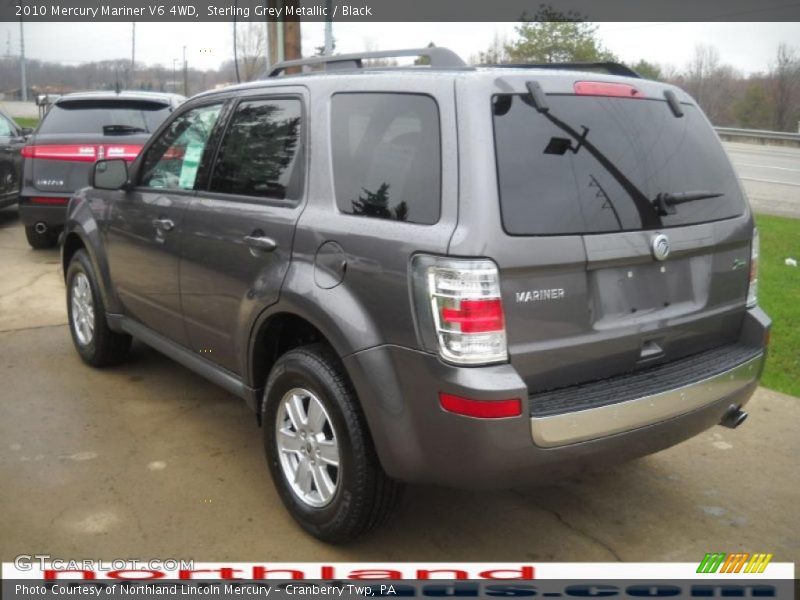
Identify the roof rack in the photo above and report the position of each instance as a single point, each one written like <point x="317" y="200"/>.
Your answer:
<point x="612" y="68"/>
<point x="441" y="58"/>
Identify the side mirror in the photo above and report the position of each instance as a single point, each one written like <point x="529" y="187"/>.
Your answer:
<point x="110" y="174"/>
<point x="26" y="131"/>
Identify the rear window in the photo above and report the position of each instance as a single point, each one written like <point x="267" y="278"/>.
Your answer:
<point x="104" y="117"/>
<point x="633" y="150"/>
<point x="387" y="156"/>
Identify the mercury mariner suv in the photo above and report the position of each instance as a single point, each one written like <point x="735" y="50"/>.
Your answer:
<point x="474" y="277"/>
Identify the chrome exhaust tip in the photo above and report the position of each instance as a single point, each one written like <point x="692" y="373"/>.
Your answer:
<point x="40" y="227"/>
<point x="734" y="417"/>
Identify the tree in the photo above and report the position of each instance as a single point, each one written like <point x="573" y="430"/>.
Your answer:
<point x="554" y="41"/>
<point x="495" y="54"/>
<point x="785" y="88"/>
<point x="754" y="109"/>
<point x="376" y="204"/>
<point x="713" y="85"/>
<point x="251" y="41"/>
<point x="647" y="70"/>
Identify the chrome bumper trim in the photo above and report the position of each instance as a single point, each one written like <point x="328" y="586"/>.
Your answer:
<point x="583" y="425"/>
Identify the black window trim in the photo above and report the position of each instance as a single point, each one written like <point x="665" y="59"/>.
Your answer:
<point x="224" y="103"/>
<point x="206" y="192"/>
<point x="339" y="211"/>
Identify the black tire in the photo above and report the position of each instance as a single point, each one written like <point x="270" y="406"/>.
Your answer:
<point x="365" y="496"/>
<point x="105" y="347"/>
<point x="41" y="241"/>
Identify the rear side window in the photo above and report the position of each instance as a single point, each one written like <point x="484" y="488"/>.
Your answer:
<point x="633" y="150"/>
<point x="260" y="154"/>
<point x="105" y="117"/>
<point x="387" y="156"/>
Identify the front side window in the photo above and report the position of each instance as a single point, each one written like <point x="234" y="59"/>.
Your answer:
<point x="260" y="154"/>
<point x="387" y="156"/>
<point x="174" y="158"/>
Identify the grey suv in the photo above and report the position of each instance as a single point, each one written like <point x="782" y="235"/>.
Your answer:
<point x="475" y="277"/>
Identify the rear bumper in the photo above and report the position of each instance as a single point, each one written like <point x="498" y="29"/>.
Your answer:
<point x="54" y="216"/>
<point x="571" y="427"/>
<point x="417" y="441"/>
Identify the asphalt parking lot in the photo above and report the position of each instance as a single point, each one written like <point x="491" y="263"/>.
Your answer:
<point x="149" y="460"/>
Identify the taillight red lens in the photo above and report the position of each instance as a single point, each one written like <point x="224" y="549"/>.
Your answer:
<point x="482" y="409"/>
<point x="81" y="152"/>
<point x="601" y="88"/>
<point x="128" y="152"/>
<point x="476" y="316"/>
<point x="78" y="153"/>
<point x="48" y="201"/>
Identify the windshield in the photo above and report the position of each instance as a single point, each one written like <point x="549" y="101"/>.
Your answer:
<point x="596" y="164"/>
<point x="104" y="117"/>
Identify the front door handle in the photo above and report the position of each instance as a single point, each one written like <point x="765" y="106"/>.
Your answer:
<point x="163" y="224"/>
<point x="260" y="242"/>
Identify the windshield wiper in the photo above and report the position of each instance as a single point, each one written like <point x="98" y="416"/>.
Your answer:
<point x="538" y="100"/>
<point x="665" y="202"/>
<point x="122" y="129"/>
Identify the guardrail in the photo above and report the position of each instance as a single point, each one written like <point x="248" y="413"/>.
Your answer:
<point x="757" y="136"/>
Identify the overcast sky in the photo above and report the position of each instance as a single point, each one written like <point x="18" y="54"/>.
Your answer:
<point x="747" y="46"/>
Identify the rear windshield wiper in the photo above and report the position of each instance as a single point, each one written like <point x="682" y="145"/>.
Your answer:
<point x="122" y="129"/>
<point x="665" y="202"/>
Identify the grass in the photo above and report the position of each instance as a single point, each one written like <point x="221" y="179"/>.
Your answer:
<point x="27" y="122"/>
<point x="779" y="295"/>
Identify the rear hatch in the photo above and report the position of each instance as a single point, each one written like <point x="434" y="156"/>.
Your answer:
<point x="76" y="133"/>
<point x="584" y="294"/>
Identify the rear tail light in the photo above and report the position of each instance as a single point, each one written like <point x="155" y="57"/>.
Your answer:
<point x="459" y="309"/>
<point x="44" y="200"/>
<point x="601" y="88"/>
<point x="752" y="290"/>
<point x="82" y="152"/>
<point x="482" y="409"/>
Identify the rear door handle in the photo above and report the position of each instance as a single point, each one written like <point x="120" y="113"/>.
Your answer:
<point x="260" y="242"/>
<point x="163" y="224"/>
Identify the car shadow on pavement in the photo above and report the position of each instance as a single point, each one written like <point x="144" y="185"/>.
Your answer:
<point x="9" y="216"/>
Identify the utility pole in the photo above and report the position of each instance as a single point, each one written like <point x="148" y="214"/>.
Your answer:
<point x="174" y="80"/>
<point x="329" y="27"/>
<point x="292" y="48"/>
<point x="133" y="53"/>
<point x="185" y="74"/>
<point x="22" y="73"/>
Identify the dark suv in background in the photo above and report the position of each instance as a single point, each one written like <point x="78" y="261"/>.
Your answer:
<point x="78" y="130"/>
<point x="475" y="277"/>
<point x="12" y="139"/>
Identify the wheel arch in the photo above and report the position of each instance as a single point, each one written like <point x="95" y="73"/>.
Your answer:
<point x="79" y="236"/>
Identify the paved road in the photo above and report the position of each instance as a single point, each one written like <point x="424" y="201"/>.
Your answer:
<point x="20" y="109"/>
<point x="150" y="460"/>
<point x="771" y="176"/>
